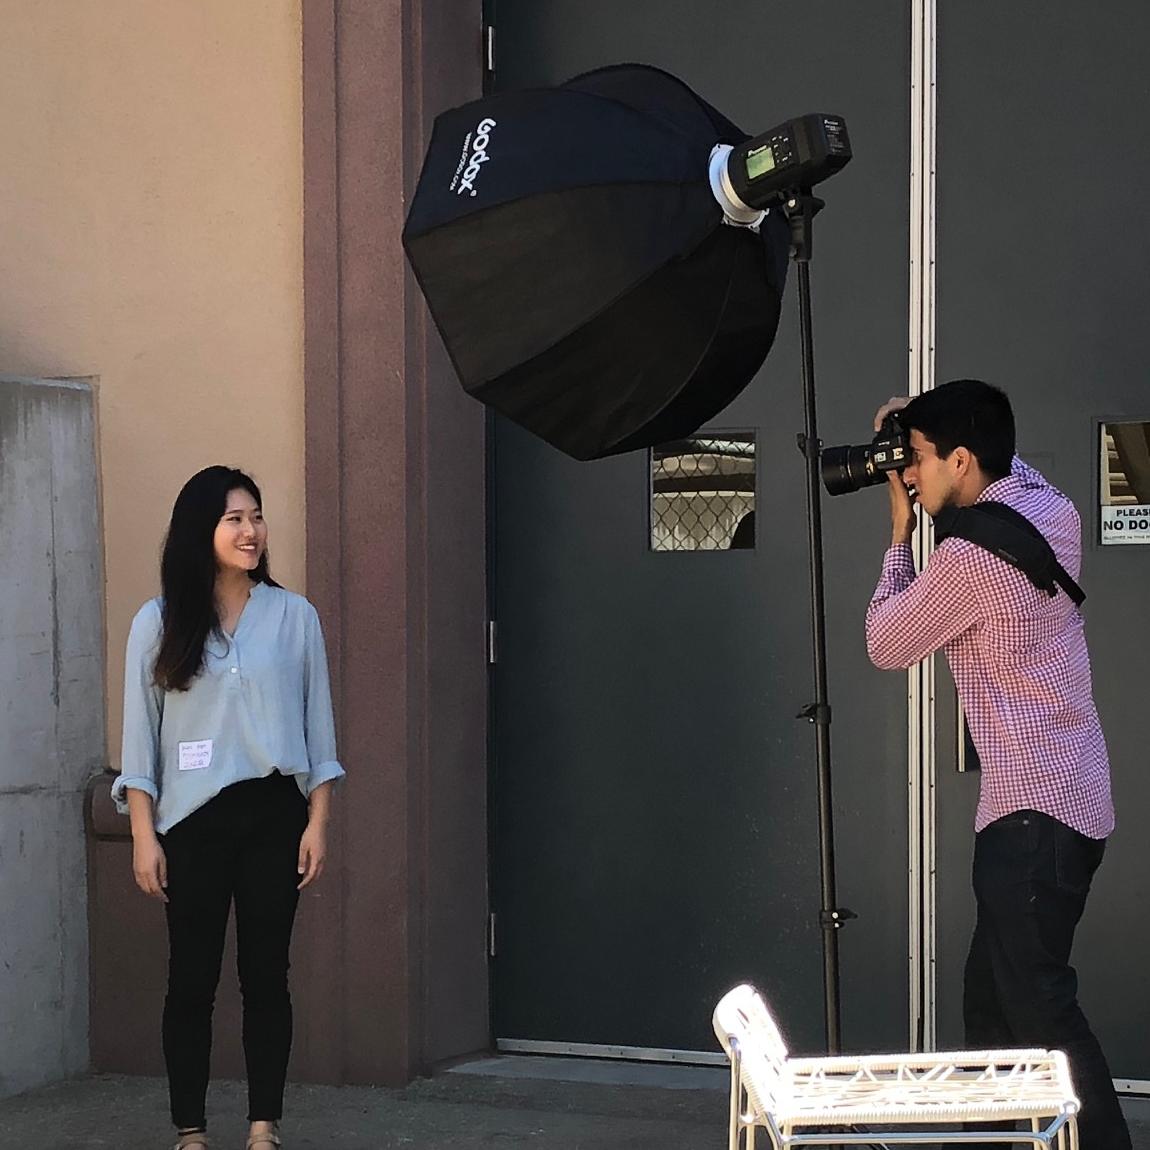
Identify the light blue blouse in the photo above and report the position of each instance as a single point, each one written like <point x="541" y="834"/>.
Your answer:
<point x="262" y="703"/>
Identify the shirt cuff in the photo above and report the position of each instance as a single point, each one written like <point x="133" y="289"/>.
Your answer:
<point x="133" y="782"/>
<point x="898" y="560"/>
<point x="324" y="773"/>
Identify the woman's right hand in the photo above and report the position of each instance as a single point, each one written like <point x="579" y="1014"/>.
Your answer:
<point x="150" y="866"/>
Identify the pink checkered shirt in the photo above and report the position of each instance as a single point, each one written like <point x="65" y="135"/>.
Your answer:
<point x="1018" y="657"/>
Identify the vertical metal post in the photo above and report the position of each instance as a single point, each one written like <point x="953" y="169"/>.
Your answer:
<point x="921" y="678"/>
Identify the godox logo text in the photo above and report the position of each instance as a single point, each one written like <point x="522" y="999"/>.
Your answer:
<point x="479" y="156"/>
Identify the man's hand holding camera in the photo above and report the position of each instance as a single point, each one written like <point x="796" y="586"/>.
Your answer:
<point x="902" y="516"/>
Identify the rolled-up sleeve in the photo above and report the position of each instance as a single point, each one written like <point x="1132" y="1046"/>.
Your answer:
<point x="143" y="710"/>
<point x="319" y="720"/>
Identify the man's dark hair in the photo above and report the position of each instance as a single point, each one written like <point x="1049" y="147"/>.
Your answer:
<point x="966" y="413"/>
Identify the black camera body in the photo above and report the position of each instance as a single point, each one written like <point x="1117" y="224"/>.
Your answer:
<point x="852" y="468"/>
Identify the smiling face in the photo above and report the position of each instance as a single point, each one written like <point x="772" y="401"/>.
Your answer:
<point x="241" y="534"/>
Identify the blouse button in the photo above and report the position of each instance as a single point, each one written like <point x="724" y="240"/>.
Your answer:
<point x="234" y="670"/>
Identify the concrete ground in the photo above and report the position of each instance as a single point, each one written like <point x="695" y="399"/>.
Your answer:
<point x="512" y="1101"/>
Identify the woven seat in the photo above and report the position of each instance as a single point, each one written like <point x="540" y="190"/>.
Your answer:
<point x="914" y="1098"/>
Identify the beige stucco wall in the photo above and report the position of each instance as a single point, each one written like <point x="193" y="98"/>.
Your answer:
<point x="151" y="235"/>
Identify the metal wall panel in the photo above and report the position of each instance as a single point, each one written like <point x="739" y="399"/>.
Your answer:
<point x="1042" y="254"/>
<point x="655" y="835"/>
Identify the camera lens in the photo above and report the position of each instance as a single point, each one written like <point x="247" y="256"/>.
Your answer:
<point x="846" y="469"/>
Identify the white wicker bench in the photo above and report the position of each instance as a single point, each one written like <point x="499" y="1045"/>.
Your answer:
<point x="912" y="1098"/>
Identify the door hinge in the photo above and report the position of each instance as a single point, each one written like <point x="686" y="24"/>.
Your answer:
<point x="489" y="48"/>
<point x="491" y="934"/>
<point x="492" y="651"/>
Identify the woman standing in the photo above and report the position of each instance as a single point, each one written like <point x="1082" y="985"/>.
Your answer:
<point x="228" y="766"/>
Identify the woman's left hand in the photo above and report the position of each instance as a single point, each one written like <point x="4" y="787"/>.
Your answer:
<point x="312" y="853"/>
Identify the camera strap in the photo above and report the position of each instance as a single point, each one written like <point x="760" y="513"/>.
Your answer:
<point x="1011" y="537"/>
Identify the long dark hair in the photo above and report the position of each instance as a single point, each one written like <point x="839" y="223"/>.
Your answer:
<point x="188" y="573"/>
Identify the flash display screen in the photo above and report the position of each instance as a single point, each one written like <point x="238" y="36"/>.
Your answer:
<point x="760" y="162"/>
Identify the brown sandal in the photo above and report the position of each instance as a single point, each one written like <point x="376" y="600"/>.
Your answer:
<point x="192" y="1138"/>
<point x="271" y="1138"/>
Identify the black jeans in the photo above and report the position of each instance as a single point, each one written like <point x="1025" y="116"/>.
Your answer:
<point x="242" y="845"/>
<point x="1031" y="877"/>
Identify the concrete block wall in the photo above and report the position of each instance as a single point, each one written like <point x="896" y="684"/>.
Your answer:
<point x="52" y="726"/>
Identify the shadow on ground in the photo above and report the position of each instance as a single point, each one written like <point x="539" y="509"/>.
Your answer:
<point x="513" y="1102"/>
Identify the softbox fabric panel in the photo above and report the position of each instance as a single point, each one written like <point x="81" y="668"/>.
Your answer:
<point x="578" y="267"/>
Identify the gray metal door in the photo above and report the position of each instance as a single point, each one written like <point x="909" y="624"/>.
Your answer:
<point x="1043" y="246"/>
<point x="654" y="834"/>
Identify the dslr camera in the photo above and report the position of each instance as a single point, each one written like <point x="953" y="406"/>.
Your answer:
<point x="852" y="468"/>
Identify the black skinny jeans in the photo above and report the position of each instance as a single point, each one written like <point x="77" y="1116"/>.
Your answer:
<point x="242" y="845"/>
<point x="1031" y="877"/>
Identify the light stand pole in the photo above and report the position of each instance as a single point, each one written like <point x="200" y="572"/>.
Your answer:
<point x="776" y="170"/>
<point x="800" y="211"/>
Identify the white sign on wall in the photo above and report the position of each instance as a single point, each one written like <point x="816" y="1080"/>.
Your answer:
<point x="1126" y="524"/>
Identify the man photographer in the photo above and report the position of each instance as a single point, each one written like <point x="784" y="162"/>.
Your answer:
<point x="1019" y="659"/>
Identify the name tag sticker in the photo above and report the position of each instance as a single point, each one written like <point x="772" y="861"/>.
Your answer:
<point x="196" y="756"/>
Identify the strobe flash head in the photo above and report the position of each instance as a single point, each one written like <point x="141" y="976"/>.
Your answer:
<point x="790" y="158"/>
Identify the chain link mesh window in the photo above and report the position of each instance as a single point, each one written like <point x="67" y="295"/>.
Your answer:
<point x="703" y="493"/>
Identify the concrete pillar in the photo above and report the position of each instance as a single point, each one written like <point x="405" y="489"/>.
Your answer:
<point x="51" y="722"/>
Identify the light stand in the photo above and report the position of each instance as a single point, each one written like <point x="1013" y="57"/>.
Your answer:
<point x="800" y="210"/>
<point x="777" y="170"/>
